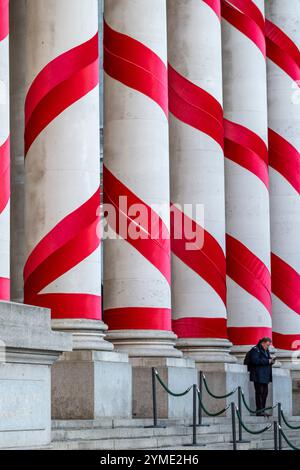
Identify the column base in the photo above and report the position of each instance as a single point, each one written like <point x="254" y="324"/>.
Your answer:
<point x="290" y="360"/>
<point x="145" y="343"/>
<point x="87" y="334"/>
<point x="206" y="350"/>
<point x="91" y="385"/>
<point x="177" y="373"/>
<point x="28" y="350"/>
<point x="222" y="379"/>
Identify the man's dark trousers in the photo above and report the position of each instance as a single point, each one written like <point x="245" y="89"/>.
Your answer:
<point x="261" y="394"/>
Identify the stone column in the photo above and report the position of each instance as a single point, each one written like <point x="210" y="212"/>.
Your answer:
<point x="62" y="198"/>
<point x="197" y="178"/>
<point x="4" y="153"/>
<point x="246" y="170"/>
<point x="283" y="42"/>
<point x="17" y="98"/>
<point x="137" y="297"/>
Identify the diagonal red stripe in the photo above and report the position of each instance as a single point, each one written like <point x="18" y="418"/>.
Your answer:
<point x="247" y="18"/>
<point x="61" y="83"/>
<point x="287" y="342"/>
<point x="242" y="335"/>
<point x="155" y="243"/>
<point x="208" y="261"/>
<point x="195" y="107"/>
<point x="247" y="149"/>
<point x="138" y="318"/>
<point x="136" y="66"/>
<point x="4" y="174"/>
<point x="200" y="327"/>
<point x="285" y="159"/>
<point x="69" y="242"/>
<point x="282" y="51"/>
<point x="285" y="283"/>
<point x="4" y="19"/>
<point x="4" y="288"/>
<point x="215" y="5"/>
<point x="248" y="271"/>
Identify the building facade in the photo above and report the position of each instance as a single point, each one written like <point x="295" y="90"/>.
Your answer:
<point x="184" y="115"/>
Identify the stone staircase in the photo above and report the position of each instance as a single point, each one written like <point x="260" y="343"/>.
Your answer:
<point x="125" y="434"/>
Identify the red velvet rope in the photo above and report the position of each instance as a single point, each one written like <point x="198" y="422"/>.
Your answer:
<point x="135" y="65"/>
<point x="199" y="327"/>
<point x="248" y="271"/>
<point x="4" y="19"/>
<point x="245" y="16"/>
<point x="61" y="83"/>
<point x="208" y="261"/>
<point x="282" y="51"/>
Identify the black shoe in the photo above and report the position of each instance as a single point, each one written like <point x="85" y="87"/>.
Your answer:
<point x="259" y="414"/>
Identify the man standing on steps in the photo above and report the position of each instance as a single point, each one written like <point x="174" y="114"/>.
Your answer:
<point x="260" y="367"/>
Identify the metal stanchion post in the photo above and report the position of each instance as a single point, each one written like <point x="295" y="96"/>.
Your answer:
<point x="275" y="435"/>
<point x="279" y="408"/>
<point x="233" y="423"/>
<point x="194" y="425"/>
<point x="200" y="411"/>
<point x="154" y="403"/>
<point x="240" y="406"/>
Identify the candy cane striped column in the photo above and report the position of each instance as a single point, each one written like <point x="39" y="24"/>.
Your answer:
<point x="246" y="172"/>
<point x="4" y="152"/>
<point x="197" y="177"/>
<point x="137" y="304"/>
<point x="283" y="41"/>
<point x="63" y="267"/>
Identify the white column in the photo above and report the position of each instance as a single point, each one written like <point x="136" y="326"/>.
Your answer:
<point x="4" y="152"/>
<point x="197" y="178"/>
<point x="246" y="170"/>
<point x="62" y="196"/>
<point x="137" y="300"/>
<point x="283" y="42"/>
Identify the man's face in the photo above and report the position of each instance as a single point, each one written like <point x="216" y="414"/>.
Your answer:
<point x="266" y="345"/>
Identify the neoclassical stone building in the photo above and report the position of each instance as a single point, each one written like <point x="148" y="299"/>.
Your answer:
<point x="188" y="112"/>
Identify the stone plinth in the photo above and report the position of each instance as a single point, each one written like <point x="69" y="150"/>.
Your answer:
<point x="222" y="379"/>
<point x="90" y="384"/>
<point x="28" y="349"/>
<point x="177" y="373"/>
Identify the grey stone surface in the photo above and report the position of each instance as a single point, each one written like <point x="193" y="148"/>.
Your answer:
<point x="295" y="374"/>
<point x="222" y="379"/>
<point x="28" y="349"/>
<point x="91" y="385"/>
<point x="177" y="373"/>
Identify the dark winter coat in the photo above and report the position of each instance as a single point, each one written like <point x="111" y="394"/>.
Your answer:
<point x="260" y="367"/>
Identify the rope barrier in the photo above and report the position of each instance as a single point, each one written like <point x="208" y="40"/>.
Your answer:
<point x="256" y="411"/>
<point x="287" y="439"/>
<point x="208" y="412"/>
<point x="174" y="394"/>
<point x="217" y="396"/>
<point x="261" y="431"/>
<point x="286" y="422"/>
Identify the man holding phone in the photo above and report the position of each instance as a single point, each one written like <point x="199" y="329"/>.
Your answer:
<point x="260" y="367"/>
